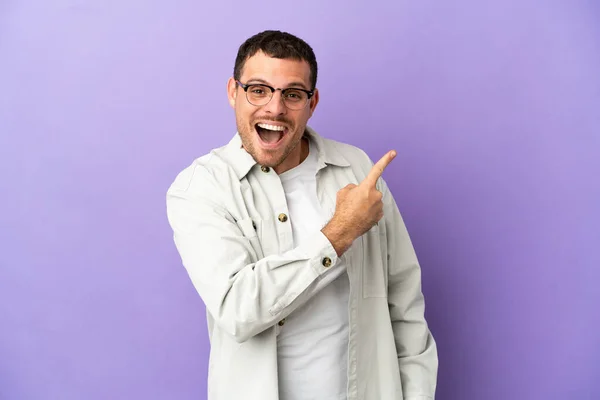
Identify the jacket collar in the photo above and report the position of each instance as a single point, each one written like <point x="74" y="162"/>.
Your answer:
<point x="242" y="162"/>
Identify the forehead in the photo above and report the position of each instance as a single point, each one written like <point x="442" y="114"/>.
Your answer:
<point x="276" y="71"/>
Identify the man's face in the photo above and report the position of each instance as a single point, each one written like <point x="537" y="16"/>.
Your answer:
<point x="271" y="133"/>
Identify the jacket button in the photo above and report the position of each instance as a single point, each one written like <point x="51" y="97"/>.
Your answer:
<point x="282" y="217"/>
<point x="327" y="262"/>
<point x="265" y="169"/>
<point x="281" y="323"/>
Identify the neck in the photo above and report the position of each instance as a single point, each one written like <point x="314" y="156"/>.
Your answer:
<point x="297" y="156"/>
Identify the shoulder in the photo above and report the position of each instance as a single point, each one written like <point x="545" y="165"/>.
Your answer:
<point x="356" y="157"/>
<point x="204" y="174"/>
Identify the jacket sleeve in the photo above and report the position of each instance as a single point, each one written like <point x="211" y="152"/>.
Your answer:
<point x="245" y="294"/>
<point x="415" y="345"/>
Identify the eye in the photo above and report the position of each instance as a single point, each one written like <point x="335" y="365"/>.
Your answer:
<point x="295" y="95"/>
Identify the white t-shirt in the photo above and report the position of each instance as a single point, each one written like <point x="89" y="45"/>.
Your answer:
<point x="312" y="346"/>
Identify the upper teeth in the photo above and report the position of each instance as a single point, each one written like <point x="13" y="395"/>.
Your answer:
<point x="272" y="127"/>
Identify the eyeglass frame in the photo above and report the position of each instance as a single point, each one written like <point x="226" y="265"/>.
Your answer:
<point x="245" y="86"/>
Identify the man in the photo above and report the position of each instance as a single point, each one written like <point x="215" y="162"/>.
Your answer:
<point x="296" y="246"/>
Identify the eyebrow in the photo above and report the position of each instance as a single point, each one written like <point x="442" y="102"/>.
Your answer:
<point x="293" y="84"/>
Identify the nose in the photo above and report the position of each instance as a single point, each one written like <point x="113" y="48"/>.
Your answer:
<point x="276" y="106"/>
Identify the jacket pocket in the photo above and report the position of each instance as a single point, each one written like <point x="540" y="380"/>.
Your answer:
<point x="374" y="265"/>
<point x="250" y="230"/>
<point x="267" y="234"/>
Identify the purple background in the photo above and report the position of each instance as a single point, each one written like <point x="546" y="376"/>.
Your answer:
<point x="495" y="112"/>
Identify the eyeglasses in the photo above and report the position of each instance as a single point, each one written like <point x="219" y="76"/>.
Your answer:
<point x="259" y="94"/>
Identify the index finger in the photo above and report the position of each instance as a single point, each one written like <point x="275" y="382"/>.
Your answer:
<point x="378" y="168"/>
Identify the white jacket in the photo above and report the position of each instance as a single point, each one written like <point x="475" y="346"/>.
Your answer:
<point x="225" y="213"/>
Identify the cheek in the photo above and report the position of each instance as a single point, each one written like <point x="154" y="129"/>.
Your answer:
<point x="302" y="118"/>
<point x="243" y="113"/>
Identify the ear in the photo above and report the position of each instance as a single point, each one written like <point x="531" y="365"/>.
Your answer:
<point x="231" y="91"/>
<point x="314" y="100"/>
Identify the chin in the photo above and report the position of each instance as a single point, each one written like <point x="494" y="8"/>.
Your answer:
<point x="268" y="160"/>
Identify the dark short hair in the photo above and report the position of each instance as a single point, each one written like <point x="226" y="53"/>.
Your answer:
<point x="277" y="44"/>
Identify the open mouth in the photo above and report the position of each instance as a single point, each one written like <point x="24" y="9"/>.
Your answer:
<point x="270" y="135"/>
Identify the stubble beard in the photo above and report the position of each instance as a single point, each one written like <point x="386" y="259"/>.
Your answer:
<point x="247" y="133"/>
